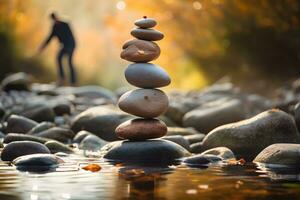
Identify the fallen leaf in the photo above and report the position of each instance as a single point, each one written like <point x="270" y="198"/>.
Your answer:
<point x="237" y="162"/>
<point x="92" y="167"/>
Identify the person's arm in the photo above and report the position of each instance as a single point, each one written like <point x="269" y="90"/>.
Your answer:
<point x="48" y="39"/>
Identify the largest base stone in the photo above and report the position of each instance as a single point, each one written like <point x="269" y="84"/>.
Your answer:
<point x="156" y="151"/>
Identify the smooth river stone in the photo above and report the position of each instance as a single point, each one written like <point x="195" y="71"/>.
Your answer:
<point x="154" y="152"/>
<point x="146" y="75"/>
<point x="146" y="103"/>
<point x="141" y="129"/>
<point x="140" y="51"/>
<point x="21" y="148"/>
<point x="145" y="23"/>
<point x="147" y="34"/>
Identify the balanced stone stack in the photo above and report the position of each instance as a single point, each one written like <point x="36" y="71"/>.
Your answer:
<point x="148" y="102"/>
<point x="141" y="135"/>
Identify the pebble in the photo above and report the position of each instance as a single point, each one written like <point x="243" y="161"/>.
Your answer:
<point x="56" y="133"/>
<point x="280" y="153"/>
<point x="41" y="127"/>
<point x="37" y="162"/>
<point x="194" y="138"/>
<point x="80" y="136"/>
<point x="222" y="152"/>
<point x="12" y="137"/>
<point x="201" y="160"/>
<point x="145" y="22"/>
<point x="147" y="34"/>
<point x="146" y="103"/>
<point x="140" y="51"/>
<point x="92" y="143"/>
<point x="19" y="124"/>
<point x="55" y="147"/>
<point x="21" y="148"/>
<point x="101" y="121"/>
<point x="153" y="75"/>
<point x="141" y="129"/>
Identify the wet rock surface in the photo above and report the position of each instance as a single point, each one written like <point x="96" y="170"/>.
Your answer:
<point x="248" y="137"/>
<point x="21" y="148"/>
<point x="151" y="151"/>
<point x="281" y="153"/>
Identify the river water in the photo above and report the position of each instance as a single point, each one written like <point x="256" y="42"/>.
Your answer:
<point x="70" y="181"/>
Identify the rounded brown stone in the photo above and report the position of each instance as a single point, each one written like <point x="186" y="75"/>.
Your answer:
<point x="140" y="51"/>
<point x="141" y="129"/>
<point x="147" y="34"/>
<point x="145" y="23"/>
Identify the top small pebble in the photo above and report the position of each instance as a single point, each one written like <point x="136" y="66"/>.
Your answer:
<point x="145" y="22"/>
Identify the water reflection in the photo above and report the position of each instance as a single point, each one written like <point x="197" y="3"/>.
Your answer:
<point x="124" y="181"/>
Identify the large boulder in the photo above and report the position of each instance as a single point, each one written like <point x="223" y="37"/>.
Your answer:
<point x="101" y="121"/>
<point x="206" y="118"/>
<point x="150" y="151"/>
<point x="248" y="137"/>
<point x="283" y="154"/>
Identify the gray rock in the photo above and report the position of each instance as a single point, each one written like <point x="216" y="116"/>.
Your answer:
<point x="178" y="139"/>
<point x="17" y="81"/>
<point x="19" y="124"/>
<point x="196" y="147"/>
<point x="145" y="22"/>
<point x="222" y="152"/>
<point x="179" y="107"/>
<point x="280" y="153"/>
<point x="151" y="151"/>
<point x="101" y="121"/>
<point x="204" y="119"/>
<point x="57" y="133"/>
<point x="249" y="137"/>
<point x="147" y="34"/>
<point x="92" y="143"/>
<point x="12" y="137"/>
<point x="201" y="160"/>
<point x="39" y="112"/>
<point x="62" y="108"/>
<point x="194" y="138"/>
<point x="37" y="162"/>
<point x="146" y="103"/>
<point x="80" y="136"/>
<point x="41" y="127"/>
<point x="21" y="148"/>
<point x="153" y="75"/>
<point x="55" y="146"/>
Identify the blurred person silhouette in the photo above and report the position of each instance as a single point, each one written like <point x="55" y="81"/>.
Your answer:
<point x="62" y="31"/>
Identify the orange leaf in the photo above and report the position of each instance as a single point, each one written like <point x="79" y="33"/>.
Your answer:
<point x="92" y="167"/>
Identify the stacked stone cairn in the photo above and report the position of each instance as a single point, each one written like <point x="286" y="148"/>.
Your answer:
<point x="147" y="102"/>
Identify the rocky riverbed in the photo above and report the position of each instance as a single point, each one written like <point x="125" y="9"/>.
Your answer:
<point x="45" y="128"/>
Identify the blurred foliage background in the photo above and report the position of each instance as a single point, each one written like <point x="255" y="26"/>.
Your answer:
<point x="255" y="43"/>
